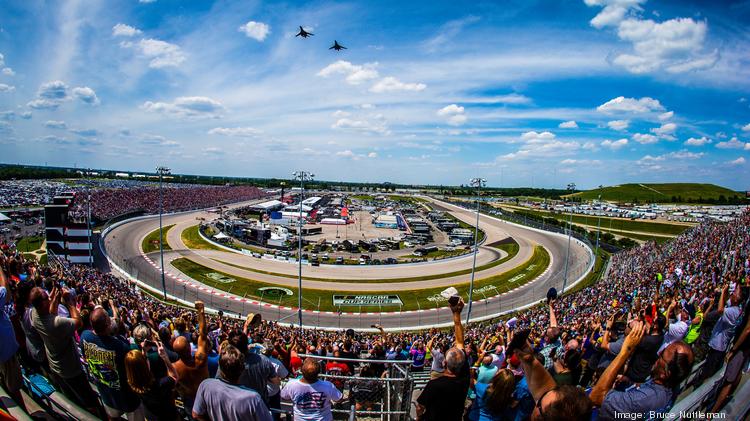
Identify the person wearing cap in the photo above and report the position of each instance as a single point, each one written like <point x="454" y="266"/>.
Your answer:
<point x="677" y="329"/>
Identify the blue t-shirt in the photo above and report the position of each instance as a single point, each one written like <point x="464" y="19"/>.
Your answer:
<point x="7" y="334"/>
<point x="636" y="400"/>
<point x="105" y="357"/>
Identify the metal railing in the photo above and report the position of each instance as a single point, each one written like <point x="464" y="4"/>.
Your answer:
<point x="385" y="398"/>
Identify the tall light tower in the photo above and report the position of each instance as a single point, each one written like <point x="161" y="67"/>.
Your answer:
<point x="478" y="183"/>
<point x="571" y="188"/>
<point x="302" y="176"/>
<point x="162" y="171"/>
<point x="599" y="220"/>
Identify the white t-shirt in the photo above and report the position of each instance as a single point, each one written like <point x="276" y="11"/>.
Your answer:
<point x="312" y="402"/>
<point x="676" y="332"/>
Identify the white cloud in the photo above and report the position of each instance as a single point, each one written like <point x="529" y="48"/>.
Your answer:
<point x="732" y="143"/>
<point x="7" y="71"/>
<point x="146" y="1"/>
<point x="685" y="154"/>
<point x="2" y="60"/>
<point x="255" y="30"/>
<point x="536" y="137"/>
<point x="514" y="99"/>
<point x="391" y="84"/>
<point x="618" y="125"/>
<point x="6" y="88"/>
<point x="616" y="144"/>
<point x="675" y="45"/>
<point x="340" y="114"/>
<point x="666" y="116"/>
<point x="350" y="155"/>
<point x="213" y="150"/>
<point x="161" y="53"/>
<point x="43" y="104"/>
<point x="746" y="127"/>
<point x="85" y="132"/>
<point x="645" y="139"/>
<point x="374" y="126"/>
<point x="6" y="128"/>
<point x="235" y="131"/>
<point x="355" y="74"/>
<point x="580" y="162"/>
<point x="613" y="12"/>
<point x="454" y="114"/>
<point x="25" y="115"/>
<point x="590" y="146"/>
<point x="541" y="145"/>
<point x="665" y="131"/>
<point x="372" y="155"/>
<point x="738" y="161"/>
<point x="86" y="95"/>
<point x="697" y="141"/>
<point x="55" y="90"/>
<point x="52" y="124"/>
<point x="123" y="30"/>
<point x="187" y="107"/>
<point x="568" y="125"/>
<point x="630" y="105"/>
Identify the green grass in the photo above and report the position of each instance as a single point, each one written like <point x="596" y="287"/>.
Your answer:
<point x="510" y="248"/>
<point x="642" y="237"/>
<point x="193" y="240"/>
<point x="659" y="193"/>
<point x="415" y="299"/>
<point x="437" y="254"/>
<point x="619" y="224"/>
<point x="29" y="244"/>
<point x="151" y="241"/>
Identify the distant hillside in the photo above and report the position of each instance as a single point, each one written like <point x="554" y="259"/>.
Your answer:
<point x="664" y="193"/>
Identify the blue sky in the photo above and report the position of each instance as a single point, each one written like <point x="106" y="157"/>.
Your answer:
<point x="521" y="92"/>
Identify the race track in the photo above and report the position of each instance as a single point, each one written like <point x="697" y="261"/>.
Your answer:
<point x="123" y="245"/>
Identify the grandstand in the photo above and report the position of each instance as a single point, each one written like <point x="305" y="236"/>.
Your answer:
<point x="664" y="317"/>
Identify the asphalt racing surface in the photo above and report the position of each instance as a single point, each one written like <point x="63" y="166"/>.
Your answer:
<point x="123" y="245"/>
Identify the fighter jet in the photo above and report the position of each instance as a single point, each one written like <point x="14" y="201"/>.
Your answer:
<point x="336" y="46"/>
<point x="302" y="33"/>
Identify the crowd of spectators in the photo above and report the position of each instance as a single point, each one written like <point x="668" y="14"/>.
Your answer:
<point x="624" y="345"/>
<point x="109" y="203"/>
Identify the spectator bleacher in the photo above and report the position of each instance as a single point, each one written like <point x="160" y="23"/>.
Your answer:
<point x="666" y="327"/>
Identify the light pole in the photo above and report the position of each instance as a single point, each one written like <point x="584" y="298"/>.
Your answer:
<point x="302" y="176"/>
<point x="599" y="220"/>
<point x="162" y="171"/>
<point x="88" y="229"/>
<point x="571" y="188"/>
<point x="478" y="183"/>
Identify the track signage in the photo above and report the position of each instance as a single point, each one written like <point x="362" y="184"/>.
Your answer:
<point x="366" y="300"/>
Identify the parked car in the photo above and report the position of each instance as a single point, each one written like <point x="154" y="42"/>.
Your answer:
<point x="339" y="260"/>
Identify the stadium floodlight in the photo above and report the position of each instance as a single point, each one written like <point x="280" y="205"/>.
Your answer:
<point x="570" y="188"/>
<point x="302" y="176"/>
<point x="478" y="183"/>
<point x="162" y="171"/>
<point x="599" y="220"/>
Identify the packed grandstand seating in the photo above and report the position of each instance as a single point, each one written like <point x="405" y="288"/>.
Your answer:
<point x="624" y="345"/>
<point x="109" y="203"/>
